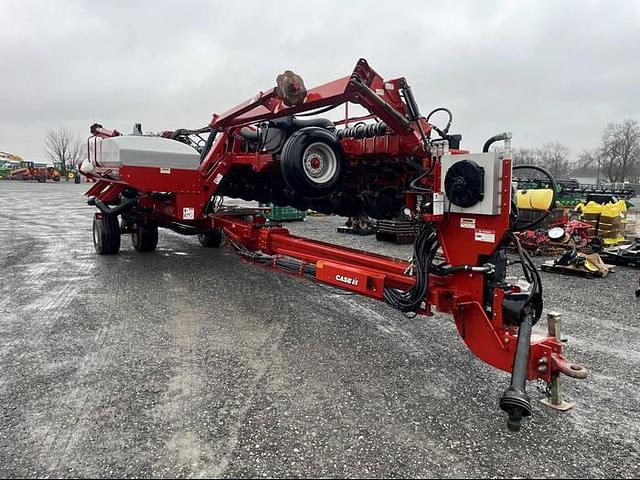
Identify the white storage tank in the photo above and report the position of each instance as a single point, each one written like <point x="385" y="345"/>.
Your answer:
<point x="142" y="151"/>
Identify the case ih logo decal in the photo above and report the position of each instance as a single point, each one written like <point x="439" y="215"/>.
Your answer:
<point x="347" y="280"/>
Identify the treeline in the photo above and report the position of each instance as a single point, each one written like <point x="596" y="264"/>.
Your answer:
<point x="617" y="158"/>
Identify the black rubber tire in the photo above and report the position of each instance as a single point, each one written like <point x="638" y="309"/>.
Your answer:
<point x="212" y="239"/>
<point x="106" y="234"/>
<point x="42" y="179"/>
<point x="292" y="167"/>
<point x="144" y="237"/>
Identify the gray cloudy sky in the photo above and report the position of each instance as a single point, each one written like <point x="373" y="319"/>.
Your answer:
<point x="547" y="70"/>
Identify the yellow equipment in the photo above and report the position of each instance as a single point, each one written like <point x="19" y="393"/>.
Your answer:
<point x="10" y="156"/>
<point x="607" y="220"/>
<point x="536" y="199"/>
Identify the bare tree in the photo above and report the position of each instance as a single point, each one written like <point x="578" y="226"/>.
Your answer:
<point x="554" y="157"/>
<point x="589" y="158"/>
<point x="525" y="156"/>
<point x="62" y="147"/>
<point x="620" y="150"/>
<point x="590" y="161"/>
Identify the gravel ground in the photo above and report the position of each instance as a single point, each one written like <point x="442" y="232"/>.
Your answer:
<point x="187" y="363"/>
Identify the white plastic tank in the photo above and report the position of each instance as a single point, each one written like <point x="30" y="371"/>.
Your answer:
<point x="142" y="151"/>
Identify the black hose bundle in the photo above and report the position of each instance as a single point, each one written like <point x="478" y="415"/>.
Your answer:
<point x="287" y="264"/>
<point x="528" y="267"/>
<point x="424" y="250"/>
<point x="531" y="275"/>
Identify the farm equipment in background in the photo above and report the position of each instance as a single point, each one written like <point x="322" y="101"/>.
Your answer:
<point x="25" y="170"/>
<point x="570" y="192"/>
<point x="7" y="163"/>
<point x="588" y="265"/>
<point x="400" y="231"/>
<point x="623" y="254"/>
<point x="534" y="240"/>
<point x="357" y="225"/>
<point x="276" y="148"/>
<point x="563" y="234"/>
<point x="275" y="213"/>
<point x="5" y="170"/>
<point x="607" y="221"/>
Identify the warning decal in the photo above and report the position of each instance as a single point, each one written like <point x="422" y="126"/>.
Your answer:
<point x="438" y="203"/>
<point x="188" y="213"/>
<point x="467" y="223"/>
<point x="483" y="235"/>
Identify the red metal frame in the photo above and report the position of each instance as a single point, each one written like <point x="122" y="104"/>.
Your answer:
<point x="364" y="86"/>
<point x="460" y="294"/>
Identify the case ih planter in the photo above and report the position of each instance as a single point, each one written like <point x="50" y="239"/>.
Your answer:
<point x="275" y="148"/>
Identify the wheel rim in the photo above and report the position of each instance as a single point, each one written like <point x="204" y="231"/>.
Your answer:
<point x="96" y="236"/>
<point x="319" y="162"/>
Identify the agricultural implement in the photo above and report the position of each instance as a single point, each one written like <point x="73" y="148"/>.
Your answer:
<point x="24" y="170"/>
<point x="276" y="148"/>
<point x="7" y="160"/>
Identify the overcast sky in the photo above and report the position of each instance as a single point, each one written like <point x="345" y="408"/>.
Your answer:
<point x="546" y="70"/>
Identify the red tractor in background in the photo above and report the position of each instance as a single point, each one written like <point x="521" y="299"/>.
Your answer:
<point x="25" y="170"/>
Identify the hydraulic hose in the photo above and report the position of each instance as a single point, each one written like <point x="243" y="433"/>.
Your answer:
<point x="115" y="210"/>
<point x="424" y="250"/>
<point x="443" y="132"/>
<point x="414" y="110"/>
<point x="495" y="138"/>
<point x="208" y="145"/>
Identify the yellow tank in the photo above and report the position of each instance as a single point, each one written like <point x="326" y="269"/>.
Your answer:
<point x="537" y="199"/>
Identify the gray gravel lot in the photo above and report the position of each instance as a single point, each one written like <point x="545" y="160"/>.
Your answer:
<point x="187" y="363"/>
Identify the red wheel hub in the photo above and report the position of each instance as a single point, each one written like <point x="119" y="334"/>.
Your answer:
<point x="315" y="163"/>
